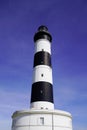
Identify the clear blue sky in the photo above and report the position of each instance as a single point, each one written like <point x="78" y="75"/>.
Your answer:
<point x="67" y="22"/>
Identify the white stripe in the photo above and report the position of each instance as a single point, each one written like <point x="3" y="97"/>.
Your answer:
<point x="42" y="105"/>
<point x="43" y="45"/>
<point x="42" y="73"/>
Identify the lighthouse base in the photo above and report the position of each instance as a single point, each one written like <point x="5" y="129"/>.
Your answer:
<point x="41" y="120"/>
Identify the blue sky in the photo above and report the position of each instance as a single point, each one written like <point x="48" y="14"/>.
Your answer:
<point x="67" y="22"/>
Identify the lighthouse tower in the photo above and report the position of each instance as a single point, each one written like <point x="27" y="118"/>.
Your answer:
<point x="42" y="115"/>
<point x="42" y="87"/>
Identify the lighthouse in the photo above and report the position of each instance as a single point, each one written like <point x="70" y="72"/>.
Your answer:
<point x="42" y="115"/>
<point x="42" y="87"/>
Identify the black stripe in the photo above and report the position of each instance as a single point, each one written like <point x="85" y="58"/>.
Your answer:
<point x="42" y="91"/>
<point x="42" y="58"/>
<point x="42" y="35"/>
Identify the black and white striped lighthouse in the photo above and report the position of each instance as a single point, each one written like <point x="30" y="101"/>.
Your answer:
<point x="42" y="115"/>
<point x="42" y="86"/>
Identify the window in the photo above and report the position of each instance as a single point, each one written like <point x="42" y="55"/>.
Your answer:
<point x="42" y="120"/>
<point x="42" y="75"/>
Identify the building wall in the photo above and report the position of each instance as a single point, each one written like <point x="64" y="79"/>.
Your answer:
<point x="44" y="121"/>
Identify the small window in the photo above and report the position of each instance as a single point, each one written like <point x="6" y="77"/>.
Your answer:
<point x="42" y="120"/>
<point x="42" y="75"/>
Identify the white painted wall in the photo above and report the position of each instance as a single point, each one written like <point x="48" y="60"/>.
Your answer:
<point x="42" y="105"/>
<point x="42" y="120"/>
<point x="44" y="70"/>
<point x="43" y="44"/>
